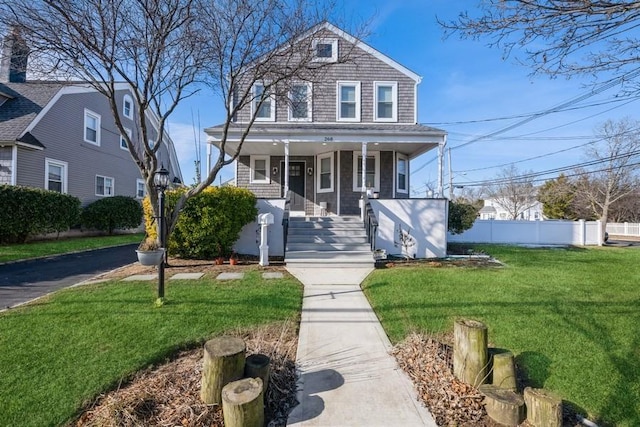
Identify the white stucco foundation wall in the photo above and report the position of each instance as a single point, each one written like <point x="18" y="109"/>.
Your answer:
<point x="249" y="240"/>
<point x="579" y="233"/>
<point x="423" y="220"/>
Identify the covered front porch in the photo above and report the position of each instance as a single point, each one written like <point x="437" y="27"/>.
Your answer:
<point x="328" y="169"/>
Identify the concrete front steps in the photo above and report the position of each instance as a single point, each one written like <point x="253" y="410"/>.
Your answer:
<point x="321" y="241"/>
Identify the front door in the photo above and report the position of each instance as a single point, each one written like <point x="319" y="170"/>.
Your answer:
<point x="296" y="185"/>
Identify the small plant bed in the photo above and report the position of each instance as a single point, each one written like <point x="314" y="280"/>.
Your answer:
<point x="170" y="394"/>
<point x="469" y="261"/>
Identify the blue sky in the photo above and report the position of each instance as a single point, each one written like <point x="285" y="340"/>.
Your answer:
<point x="463" y="81"/>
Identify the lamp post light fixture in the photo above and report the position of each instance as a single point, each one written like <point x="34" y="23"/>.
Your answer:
<point x="161" y="181"/>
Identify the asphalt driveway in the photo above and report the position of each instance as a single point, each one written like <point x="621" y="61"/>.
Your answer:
<point x="25" y="280"/>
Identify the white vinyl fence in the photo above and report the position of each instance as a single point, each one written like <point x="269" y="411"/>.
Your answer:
<point x="578" y="233"/>
<point x="624" y="229"/>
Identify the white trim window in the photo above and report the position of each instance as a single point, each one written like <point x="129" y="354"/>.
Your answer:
<point x="141" y="189"/>
<point x="259" y="173"/>
<point x="372" y="173"/>
<point x="127" y="106"/>
<point x="91" y="127"/>
<point x="104" y="186"/>
<point x="348" y="97"/>
<point x="265" y="112"/>
<point x="325" y="50"/>
<point x="123" y="140"/>
<point x="402" y="173"/>
<point x="300" y="101"/>
<point x="325" y="173"/>
<point x="385" y="101"/>
<point x="55" y="175"/>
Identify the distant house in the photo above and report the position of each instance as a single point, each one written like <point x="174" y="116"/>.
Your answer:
<point x="61" y="136"/>
<point x="340" y="140"/>
<point x="492" y="209"/>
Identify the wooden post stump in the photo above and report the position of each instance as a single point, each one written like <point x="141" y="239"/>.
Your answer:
<point x="470" y="355"/>
<point x="504" y="371"/>
<point x="257" y="366"/>
<point x="544" y="409"/>
<point x="503" y="406"/>
<point x="223" y="363"/>
<point x="243" y="403"/>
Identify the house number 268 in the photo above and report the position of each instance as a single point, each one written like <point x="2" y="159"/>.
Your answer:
<point x="328" y="139"/>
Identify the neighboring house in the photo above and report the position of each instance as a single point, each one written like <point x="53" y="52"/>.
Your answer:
<point x="313" y="143"/>
<point x="333" y="142"/>
<point x="61" y="136"/>
<point x="493" y="210"/>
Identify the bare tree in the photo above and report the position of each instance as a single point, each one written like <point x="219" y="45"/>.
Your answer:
<point x="560" y="37"/>
<point x="612" y="177"/>
<point x="167" y="50"/>
<point x="513" y="190"/>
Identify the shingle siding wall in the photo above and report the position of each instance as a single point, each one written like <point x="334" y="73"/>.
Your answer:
<point x="6" y="156"/>
<point x="386" y="175"/>
<point x="360" y="66"/>
<point x="61" y="130"/>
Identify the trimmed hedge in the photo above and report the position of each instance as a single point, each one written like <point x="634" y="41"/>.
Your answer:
<point x="111" y="213"/>
<point x="209" y="224"/>
<point x="28" y="211"/>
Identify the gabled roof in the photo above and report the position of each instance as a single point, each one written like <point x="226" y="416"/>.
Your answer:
<point x="360" y="44"/>
<point x="26" y="101"/>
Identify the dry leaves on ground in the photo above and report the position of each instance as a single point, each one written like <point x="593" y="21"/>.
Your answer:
<point x="170" y="394"/>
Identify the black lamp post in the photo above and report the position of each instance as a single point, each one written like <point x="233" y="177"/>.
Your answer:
<point x="161" y="180"/>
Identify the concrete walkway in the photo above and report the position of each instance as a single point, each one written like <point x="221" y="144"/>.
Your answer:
<point x="347" y="377"/>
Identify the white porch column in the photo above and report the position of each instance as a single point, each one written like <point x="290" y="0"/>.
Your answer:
<point x="364" y="181"/>
<point x="286" y="168"/>
<point x="441" y="167"/>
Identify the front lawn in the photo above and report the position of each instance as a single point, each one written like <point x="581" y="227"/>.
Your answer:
<point x="570" y="316"/>
<point x="61" y="352"/>
<point x="62" y="246"/>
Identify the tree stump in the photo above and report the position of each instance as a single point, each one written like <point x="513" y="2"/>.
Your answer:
<point x="503" y="406"/>
<point x="223" y="363"/>
<point x="470" y="355"/>
<point x="257" y="366"/>
<point x="243" y="403"/>
<point x="544" y="409"/>
<point x="504" y="371"/>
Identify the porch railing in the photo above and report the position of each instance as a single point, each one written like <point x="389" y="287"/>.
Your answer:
<point x="285" y="220"/>
<point x="370" y="225"/>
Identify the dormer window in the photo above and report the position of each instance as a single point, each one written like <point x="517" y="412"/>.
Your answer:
<point x="325" y="50"/>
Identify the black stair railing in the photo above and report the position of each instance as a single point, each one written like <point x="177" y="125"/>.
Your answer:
<point x="285" y="220"/>
<point x="370" y="225"/>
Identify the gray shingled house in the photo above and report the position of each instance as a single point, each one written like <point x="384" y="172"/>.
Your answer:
<point x="335" y="142"/>
<point x="61" y="136"/>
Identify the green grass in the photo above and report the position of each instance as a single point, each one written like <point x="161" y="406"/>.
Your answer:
<point x="55" y="247"/>
<point x="571" y="317"/>
<point x="61" y="352"/>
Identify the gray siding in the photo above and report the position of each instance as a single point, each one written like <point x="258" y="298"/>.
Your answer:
<point x="61" y="131"/>
<point x="361" y="66"/>
<point x="6" y="156"/>
<point x="386" y="174"/>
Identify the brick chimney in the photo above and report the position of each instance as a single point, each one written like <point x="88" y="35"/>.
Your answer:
<point x="13" y="62"/>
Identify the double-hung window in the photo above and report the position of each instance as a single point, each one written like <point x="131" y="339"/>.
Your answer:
<point x="402" y="176"/>
<point x="55" y="173"/>
<point x="91" y="127"/>
<point x="372" y="173"/>
<point x="300" y="102"/>
<point x="259" y="166"/>
<point x="141" y="189"/>
<point x="104" y="186"/>
<point x="348" y="97"/>
<point x="386" y="101"/>
<point x="123" y="140"/>
<point x="325" y="173"/>
<point x="127" y="107"/>
<point x="264" y="104"/>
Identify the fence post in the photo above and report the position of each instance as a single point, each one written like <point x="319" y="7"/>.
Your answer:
<point x="583" y="232"/>
<point x="626" y="228"/>
<point x="599" y="232"/>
